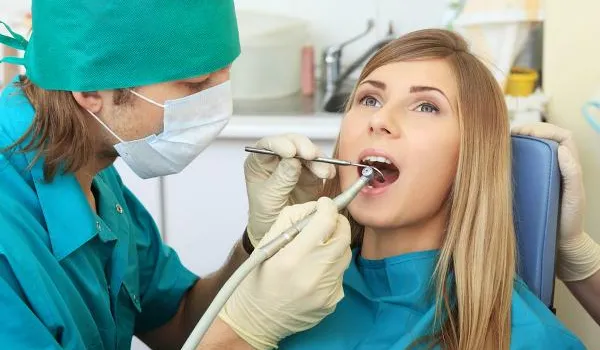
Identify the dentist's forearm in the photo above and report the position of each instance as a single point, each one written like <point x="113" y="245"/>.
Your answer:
<point x="204" y="291"/>
<point x="221" y="336"/>
<point x="191" y="308"/>
<point x="587" y="292"/>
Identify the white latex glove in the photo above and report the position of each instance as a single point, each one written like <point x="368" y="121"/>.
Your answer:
<point x="578" y="254"/>
<point x="299" y="285"/>
<point x="274" y="182"/>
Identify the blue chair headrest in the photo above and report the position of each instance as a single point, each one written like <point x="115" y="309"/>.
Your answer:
<point x="536" y="186"/>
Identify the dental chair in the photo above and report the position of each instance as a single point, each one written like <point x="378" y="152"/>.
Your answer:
<point x="536" y="186"/>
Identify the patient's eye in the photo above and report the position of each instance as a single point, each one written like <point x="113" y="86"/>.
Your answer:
<point x="369" y="101"/>
<point x="427" y="107"/>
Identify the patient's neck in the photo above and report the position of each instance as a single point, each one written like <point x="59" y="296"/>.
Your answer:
<point x="379" y="243"/>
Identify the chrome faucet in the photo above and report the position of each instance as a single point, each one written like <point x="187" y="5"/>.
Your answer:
<point x="332" y="75"/>
<point x="332" y="60"/>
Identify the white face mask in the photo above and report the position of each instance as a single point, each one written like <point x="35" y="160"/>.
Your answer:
<point x="190" y="125"/>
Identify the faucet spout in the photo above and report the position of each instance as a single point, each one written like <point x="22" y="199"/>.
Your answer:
<point x="332" y="59"/>
<point x="363" y="58"/>
<point x="333" y="76"/>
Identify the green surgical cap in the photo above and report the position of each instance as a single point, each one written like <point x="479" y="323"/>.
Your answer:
<point x="85" y="45"/>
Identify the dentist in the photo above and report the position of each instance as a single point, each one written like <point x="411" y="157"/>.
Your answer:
<point x="82" y="264"/>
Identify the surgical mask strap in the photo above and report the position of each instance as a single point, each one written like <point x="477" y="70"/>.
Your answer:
<point x="105" y="126"/>
<point x="147" y="99"/>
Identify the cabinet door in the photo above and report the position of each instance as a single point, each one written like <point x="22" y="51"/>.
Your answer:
<point x="207" y="207"/>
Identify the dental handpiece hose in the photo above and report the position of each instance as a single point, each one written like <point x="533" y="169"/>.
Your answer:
<point x="263" y="253"/>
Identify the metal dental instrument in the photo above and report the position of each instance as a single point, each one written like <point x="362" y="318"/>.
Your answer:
<point x="318" y="159"/>
<point x="263" y="253"/>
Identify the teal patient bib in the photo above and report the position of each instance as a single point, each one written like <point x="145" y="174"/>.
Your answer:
<point x="388" y="304"/>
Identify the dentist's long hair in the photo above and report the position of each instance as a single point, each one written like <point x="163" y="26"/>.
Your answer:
<point x="479" y="248"/>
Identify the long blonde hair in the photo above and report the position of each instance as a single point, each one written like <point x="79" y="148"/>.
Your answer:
<point x="476" y="267"/>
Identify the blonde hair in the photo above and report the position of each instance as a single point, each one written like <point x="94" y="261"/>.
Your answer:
<point x="473" y="308"/>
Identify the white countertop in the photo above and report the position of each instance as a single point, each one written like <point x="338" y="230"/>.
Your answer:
<point x="315" y="127"/>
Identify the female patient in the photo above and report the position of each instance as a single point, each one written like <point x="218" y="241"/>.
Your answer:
<point x="436" y="253"/>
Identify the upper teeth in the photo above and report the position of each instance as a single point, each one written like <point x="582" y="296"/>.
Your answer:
<point x="376" y="159"/>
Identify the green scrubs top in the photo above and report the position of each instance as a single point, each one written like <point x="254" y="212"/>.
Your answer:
<point x="388" y="305"/>
<point x="70" y="278"/>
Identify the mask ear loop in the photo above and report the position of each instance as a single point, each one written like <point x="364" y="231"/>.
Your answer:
<point x="105" y="126"/>
<point x="147" y="99"/>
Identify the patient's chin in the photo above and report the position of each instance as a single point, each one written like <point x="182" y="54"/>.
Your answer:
<point x="374" y="220"/>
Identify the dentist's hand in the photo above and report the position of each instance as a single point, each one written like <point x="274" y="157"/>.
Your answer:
<point x="297" y="287"/>
<point x="578" y="254"/>
<point x="275" y="182"/>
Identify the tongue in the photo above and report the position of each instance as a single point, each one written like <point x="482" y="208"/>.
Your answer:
<point x="390" y="176"/>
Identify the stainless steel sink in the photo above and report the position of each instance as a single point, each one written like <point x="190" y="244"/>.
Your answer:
<point x="337" y="103"/>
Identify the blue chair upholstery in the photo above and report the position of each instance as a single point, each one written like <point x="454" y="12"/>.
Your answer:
<point x="536" y="185"/>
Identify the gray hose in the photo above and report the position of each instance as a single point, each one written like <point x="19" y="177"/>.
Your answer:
<point x="261" y="254"/>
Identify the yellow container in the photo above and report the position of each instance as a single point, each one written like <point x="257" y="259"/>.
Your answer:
<point x="521" y="81"/>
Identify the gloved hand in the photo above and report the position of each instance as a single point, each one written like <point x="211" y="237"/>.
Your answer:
<point x="274" y="182"/>
<point x="297" y="287"/>
<point x="578" y="254"/>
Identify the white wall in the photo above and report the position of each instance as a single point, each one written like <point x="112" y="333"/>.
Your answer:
<point x="335" y="21"/>
<point x="12" y="12"/>
<point x="13" y="9"/>
<point x="571" y="75"/>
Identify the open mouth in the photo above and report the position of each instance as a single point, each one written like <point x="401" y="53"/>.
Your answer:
<point x="389" y="170"/>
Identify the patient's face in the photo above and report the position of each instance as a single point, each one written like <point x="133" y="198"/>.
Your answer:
<point x="404" y="121"/>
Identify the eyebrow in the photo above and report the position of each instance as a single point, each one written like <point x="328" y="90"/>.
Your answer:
<point x="413" y="89"/>
<point x="420" y="88"/>
<point x="376" y="83"/>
